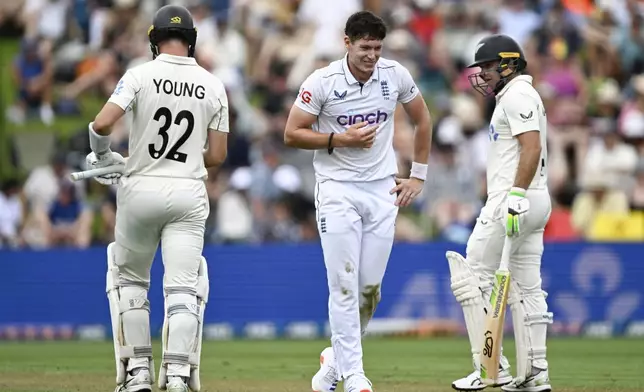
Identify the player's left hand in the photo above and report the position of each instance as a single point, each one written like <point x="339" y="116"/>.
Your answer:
<point x="407" y="189"/>
<point x="518" y="206"/>
<point x="110" y="158"/>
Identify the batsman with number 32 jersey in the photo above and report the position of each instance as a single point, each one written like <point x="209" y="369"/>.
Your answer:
<point x="345" y="112"/>
<point x="518" y="205"/>
<point x="178" y="110"/>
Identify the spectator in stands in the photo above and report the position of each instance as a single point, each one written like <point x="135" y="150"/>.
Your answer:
<point x="283" y="227"/>
<point x="46" y="19"/>
<point x="285" y="212"/>
<point x="325" y="20"/>
<point x="628" y="42"/>
<point x="560" y="226"/>
<point x="68" y="222"/>
<point x="123" y="45"/>
<point x="42" y="185"/>
<point x="518" y="21"/>
<point x="613" y="158"/>
<point x="230" y="48"/>
<point x="232" y="213"/>
<point x="451" y="193"/>
<point x="564" y="75"/>
<point x="41" y="190"/>
<point x="108" y="215"/>
<point x="637" y="194"/>
<point x="205" y="23"/>
<point x="558" y="25"/>
<point x="599" y="195"/>
<point x="472" y="136"/>
<point x="263" y="190"/>
<point x="10" y="17"/>
<point x="586" y="58"/>
<point x="425" y="20"/>
<point x="281" y="47"/>
<point x="631" y="119"/>
<point x="11" y="214"/>
<point x="605" y="104"/>
<point x="33" y="75"/>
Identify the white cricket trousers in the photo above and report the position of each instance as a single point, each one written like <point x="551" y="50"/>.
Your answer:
<point x="528" y="300"/>
<point x="356" y="222"/>
<point x="153" y="209"/>
<point x="173" y="211"/>
<point x="485" y="245"/>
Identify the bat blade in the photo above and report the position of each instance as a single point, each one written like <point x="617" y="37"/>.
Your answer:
<point x="493" y="332"/>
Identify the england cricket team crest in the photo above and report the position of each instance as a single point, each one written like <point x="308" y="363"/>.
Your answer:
<point x="384" y="88"/>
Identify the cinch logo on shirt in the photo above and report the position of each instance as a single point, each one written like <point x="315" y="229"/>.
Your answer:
<point x="371" y="118"/>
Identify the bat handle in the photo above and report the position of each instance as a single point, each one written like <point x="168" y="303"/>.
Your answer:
<point x="506" y="253"/>
<point x="77" y="176"/>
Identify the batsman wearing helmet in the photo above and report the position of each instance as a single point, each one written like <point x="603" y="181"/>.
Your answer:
<point x="179" y="128"/>
<point x="518" y="205"/>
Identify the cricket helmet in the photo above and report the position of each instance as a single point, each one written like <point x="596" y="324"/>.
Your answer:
<point x="502" y="48"/>
<point x="172" y="21"/>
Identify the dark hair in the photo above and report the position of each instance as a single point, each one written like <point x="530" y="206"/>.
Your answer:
<point x="365" y="24"/>
<point x="9" y="185"/>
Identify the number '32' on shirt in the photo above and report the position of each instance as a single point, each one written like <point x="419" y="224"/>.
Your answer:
<point x="174" y="103"/>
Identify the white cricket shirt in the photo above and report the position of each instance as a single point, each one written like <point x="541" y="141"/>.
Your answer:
<point x="174" y="103"/>
<point x="519" y="109"/>
<point x="338" y="100"/>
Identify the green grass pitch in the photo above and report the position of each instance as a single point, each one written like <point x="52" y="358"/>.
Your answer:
<point x="405" y="364"/>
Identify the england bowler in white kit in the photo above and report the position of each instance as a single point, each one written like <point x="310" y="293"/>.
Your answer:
<point x="518" y="205"/>
<point x="178" y="110"/>
<point x="345" y="112"/>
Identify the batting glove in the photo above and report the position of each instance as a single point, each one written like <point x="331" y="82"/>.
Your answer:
<point x="518" y="206"/>
<point x="93" y="161"/>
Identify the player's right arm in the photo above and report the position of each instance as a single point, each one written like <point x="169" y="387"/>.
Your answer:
<point x="298" y="132"/>
<point x="122" y="100"/>
<point x="304" y="113"/>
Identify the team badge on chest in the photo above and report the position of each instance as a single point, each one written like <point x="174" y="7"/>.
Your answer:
<point x="384" y="89"/>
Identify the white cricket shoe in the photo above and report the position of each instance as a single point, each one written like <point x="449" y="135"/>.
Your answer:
<point x="139" y="382"/>
<point x="357" y="383"/>
<point x="326" y="379"/>
<point x="473" y="381"/>
<point x="176" y="384"/>
<point x="539" y="381"/>
<point x="47" y="115"/>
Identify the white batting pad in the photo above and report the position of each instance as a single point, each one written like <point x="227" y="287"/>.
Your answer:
<point x="186" y="357"/>
<point x="465" y="286"/>
<point x="119" y="305"/>
<point x="530" y="319"/>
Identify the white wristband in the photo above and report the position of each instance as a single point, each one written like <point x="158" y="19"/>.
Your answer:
<point x="419" y="170"/>
<point x="98" y="143"/>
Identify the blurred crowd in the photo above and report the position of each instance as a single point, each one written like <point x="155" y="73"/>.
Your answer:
<point x="587" y="59"/>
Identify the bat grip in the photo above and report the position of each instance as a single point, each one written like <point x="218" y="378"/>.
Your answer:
<point x="505" y="254"/>
<point x="77" y="176"/>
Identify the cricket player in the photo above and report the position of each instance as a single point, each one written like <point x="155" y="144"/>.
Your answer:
<point x="518" y="205"/>
<point x="178" y="109"/>
<point x="345" y="112"/>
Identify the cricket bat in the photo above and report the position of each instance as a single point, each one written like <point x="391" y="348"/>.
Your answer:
<point x="494" y="319"/>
